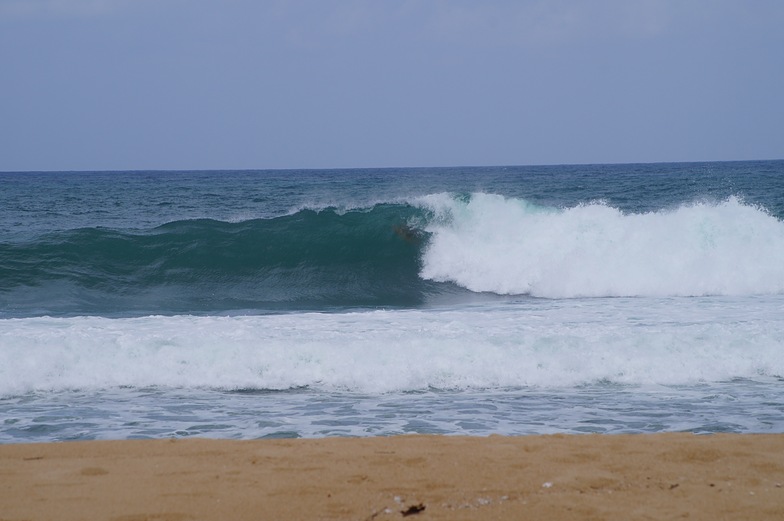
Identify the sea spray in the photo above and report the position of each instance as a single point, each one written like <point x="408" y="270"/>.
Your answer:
<point x="509" y="246"/>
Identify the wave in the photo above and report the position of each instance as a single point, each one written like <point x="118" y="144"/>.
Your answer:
<point x="509" y="246"/>
<point x="436" y="248"/>
<point x="363" y="257"/>
<point x="533" y="344"/>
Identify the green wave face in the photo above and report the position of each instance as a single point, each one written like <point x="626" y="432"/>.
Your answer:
<point x="310" y="259"/>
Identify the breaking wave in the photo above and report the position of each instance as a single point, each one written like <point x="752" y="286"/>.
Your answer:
<point x="436" y="248"/>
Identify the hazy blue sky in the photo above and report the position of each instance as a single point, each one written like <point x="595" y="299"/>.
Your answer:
<point x="203" y="84"/>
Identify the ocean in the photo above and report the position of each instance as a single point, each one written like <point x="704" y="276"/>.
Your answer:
<point x="366" y="302"/>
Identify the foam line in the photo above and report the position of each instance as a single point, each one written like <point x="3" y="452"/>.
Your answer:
<point x="566" y="344"/>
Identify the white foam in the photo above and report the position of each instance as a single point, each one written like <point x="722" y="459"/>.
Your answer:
<point x="508" y="246"/>
<point x="535" y="343"/>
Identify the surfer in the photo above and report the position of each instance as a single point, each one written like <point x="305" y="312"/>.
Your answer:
<point x="407" y="233"/>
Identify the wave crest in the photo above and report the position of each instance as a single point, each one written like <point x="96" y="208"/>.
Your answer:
<point x="509" y="246"/>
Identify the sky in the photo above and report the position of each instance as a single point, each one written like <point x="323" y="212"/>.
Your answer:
<point x="268" y="84"/>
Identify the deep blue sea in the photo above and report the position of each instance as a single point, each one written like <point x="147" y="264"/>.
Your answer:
<point x="364" y="302"/>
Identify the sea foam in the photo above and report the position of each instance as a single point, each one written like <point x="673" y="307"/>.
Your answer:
<point x="533" y="343"/>
<point x="509" y="246"/>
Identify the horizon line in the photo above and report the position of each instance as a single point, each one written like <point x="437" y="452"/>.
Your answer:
<point x="296" y="169"/>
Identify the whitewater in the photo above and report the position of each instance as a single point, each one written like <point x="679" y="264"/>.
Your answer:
<point x="509" y="300"/>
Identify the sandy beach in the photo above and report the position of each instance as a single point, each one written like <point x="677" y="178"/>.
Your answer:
<point x="559" y="477"/>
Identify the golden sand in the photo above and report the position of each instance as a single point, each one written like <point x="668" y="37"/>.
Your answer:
<point x="419" y="478"/>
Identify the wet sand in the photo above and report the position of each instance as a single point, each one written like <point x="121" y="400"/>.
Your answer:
<point x="586" y="477"/>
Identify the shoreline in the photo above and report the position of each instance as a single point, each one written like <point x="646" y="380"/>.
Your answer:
<point x="419" y="477"/>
